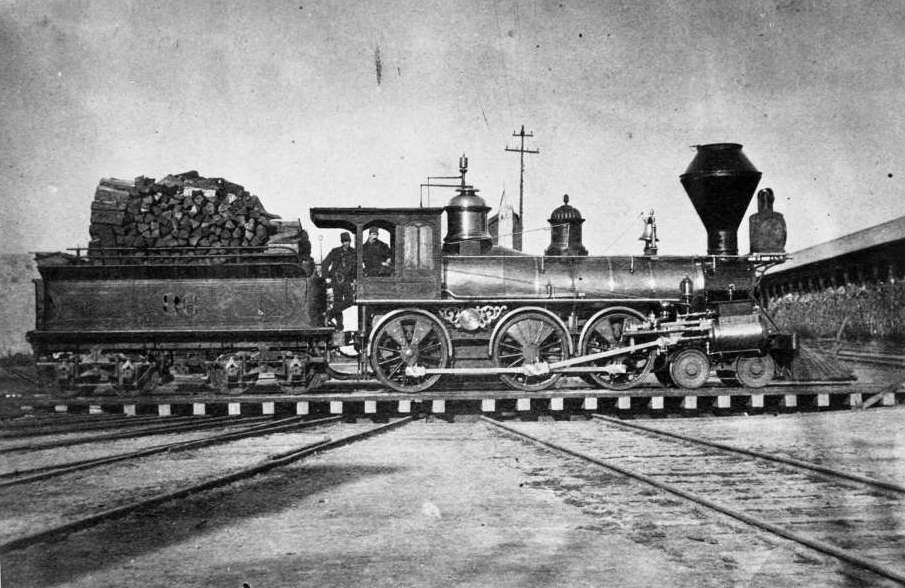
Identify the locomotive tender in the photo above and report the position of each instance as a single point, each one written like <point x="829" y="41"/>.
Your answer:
<point x="459" y="307"/>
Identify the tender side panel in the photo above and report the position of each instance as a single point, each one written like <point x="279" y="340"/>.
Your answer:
<point x="177" y="305"/>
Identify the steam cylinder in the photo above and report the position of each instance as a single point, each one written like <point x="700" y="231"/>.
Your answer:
<point x="720" y="181"/>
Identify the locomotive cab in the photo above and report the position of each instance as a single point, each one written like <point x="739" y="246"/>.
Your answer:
<point x="413" y="272"/>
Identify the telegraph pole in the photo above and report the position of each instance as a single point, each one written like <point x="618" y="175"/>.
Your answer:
<point x="521" y="182"/>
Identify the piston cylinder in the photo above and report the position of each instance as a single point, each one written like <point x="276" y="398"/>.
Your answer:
<point x="738" y="333"/>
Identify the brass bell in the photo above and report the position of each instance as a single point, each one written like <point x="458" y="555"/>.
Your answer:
<point x="649" y="235"/>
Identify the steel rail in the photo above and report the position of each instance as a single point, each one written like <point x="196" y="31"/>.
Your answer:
<point x="870" y="360"/>
<point x="810" y="542"/>
<point x="14" y="473"/>
<point x="827" y="471"/>
<point x="88" y="425"/>
<point x="183" y="427"/>
<point x="52" y="471"/>
<point x="273" y="461"/>
<point x="869" y="355"/>
<point x="65" y="418"/>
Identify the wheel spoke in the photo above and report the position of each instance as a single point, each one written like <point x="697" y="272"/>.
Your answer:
<point x="420" y="330"/>
<point x="520" y="333"/>
<point x="396" y="370"/>
<point x="395" y="331"/>
<point x="430" y="347"/>
<point x="542" y="331"/>
<point x="554" y="343"/>
<point x="605" y="330"/>
<point x="511" y="346"/>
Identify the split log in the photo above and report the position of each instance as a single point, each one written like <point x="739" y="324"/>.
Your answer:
<point x="184" y="210"/>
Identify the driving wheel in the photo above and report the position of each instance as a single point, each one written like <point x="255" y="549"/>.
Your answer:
<point x="527" y="339"/>
<point x="405" y="343"/>
<point x="624" y="371"/>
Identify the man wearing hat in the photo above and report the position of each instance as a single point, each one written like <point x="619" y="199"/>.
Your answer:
<point x="376" y="255"/>
<point x="339" y="267"/>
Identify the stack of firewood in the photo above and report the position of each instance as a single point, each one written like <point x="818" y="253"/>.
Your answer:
<point x="182" y="210"/>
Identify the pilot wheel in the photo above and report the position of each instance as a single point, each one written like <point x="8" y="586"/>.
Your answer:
<point x="690" y="368"/>
<point x="754" y="371"/>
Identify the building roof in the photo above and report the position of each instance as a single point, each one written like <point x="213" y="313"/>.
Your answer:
<point x="888" y="232"/>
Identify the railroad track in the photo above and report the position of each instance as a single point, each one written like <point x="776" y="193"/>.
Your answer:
<point x="93" y="423"/>
<point x="190" y="425"/>
<point x="858" y="355"/>
<point x="51" y="471"/>
<point x="280" y="459"/>
<point x="33" y="421"/>
<point x="872" y="358"/>
<point x="850" y="517"/>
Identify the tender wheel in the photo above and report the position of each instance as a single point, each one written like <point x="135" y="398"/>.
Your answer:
<point x="409" y="340"/>
<point x="530" y="338"/>
<point x="151" y="382"/>
<point x="754" y="371"/>
<point x="690" y="368"/>
<point x="216" y="379"/>
<point x="218" y="375"/>
<point x="65" y="381"/>
<point x="627" y="371"/>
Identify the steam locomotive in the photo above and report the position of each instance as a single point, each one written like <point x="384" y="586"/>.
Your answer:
<point x="460" y="307"/>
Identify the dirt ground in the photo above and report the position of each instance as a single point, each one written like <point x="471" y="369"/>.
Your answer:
<point x="429" y="504"/>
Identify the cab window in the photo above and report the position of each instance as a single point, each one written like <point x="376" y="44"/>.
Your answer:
<point x="418" y="253"/>
<point x="377" y="252"/>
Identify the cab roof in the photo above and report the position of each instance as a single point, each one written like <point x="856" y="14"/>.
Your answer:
<point x="351" y="219"/>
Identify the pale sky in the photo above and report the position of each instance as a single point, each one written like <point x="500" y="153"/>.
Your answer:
<point x="283" y="97"/>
